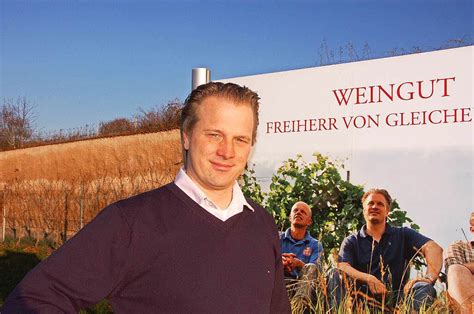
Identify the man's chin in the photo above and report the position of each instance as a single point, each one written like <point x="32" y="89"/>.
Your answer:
<point x="299" y="226"/>
<point x="223" y="183"/>
<point x="376" y="221"/>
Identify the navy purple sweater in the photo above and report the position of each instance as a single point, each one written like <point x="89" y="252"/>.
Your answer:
<point x="161" y="252"/>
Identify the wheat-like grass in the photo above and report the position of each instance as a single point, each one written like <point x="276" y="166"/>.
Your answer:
<point x="52" y="191"/>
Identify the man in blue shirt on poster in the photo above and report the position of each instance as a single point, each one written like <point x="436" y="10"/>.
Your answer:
<point x="300" y="251"/>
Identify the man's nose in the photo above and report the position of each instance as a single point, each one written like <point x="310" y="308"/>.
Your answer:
<point x="226" y="149"/>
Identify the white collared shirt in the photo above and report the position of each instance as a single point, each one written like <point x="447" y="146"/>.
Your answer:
<point x="236" y="206"/>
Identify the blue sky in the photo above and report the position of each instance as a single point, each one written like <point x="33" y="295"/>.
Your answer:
<point x="82" y="62"/>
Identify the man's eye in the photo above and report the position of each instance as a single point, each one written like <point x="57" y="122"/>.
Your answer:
<point x="242" y="140"/>
<point x="215" y="136"/>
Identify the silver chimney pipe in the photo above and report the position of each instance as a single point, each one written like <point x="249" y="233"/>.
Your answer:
<point x="200" y="76"/>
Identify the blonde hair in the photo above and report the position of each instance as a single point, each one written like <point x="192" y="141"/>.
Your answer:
<point x="383" y="192"/>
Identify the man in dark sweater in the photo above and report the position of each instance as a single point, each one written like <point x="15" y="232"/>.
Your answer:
<point x="196" y="245"/>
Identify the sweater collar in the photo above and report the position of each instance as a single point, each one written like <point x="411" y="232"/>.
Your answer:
<point x="187" y="185"/>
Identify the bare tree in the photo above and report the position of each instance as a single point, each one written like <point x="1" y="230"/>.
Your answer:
<point x="119" y="126"/>
<point x="16" y="123"/>
<point x="160" y="118"/>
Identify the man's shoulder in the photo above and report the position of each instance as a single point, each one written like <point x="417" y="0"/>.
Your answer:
<point x="459" y="244"/>
<point x="404" y="231"/>
<point x="392" y="228"/>
<point x="261" y="213"/>
<point x="408" y="236"/>
<point x="148" y="194"/>
<point x="352" y="240"/>
<point x="258" y="208"/>
<point x="312" y="240"/>
<point x="355" y="235"/>
<point x="349" y="246"/>
<point x="146" y="200"/>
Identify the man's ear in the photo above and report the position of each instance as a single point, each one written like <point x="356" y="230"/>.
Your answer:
<point x="185" y="141"/>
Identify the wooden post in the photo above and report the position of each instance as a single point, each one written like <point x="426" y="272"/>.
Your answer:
<point x="4" y="214"/>
<point x="65" y="217"/>
<point x="81" y="205"/>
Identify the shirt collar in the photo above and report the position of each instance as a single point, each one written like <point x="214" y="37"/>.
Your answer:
<point x="288" y="236"/>
<point x="187" y="185"/>
<point x="363" y="230"/>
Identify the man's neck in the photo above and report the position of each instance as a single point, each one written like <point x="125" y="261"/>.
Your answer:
<point x="376" y="230"/>
<point x="221" y="198"/>
<point x="298" y="233"/>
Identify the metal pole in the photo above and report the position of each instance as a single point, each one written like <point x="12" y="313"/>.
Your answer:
<point x="4" y="211"/>
<point x="81" y="205"/>
<point x="200" y="76"/>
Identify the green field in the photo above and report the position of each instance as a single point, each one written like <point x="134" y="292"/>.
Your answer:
<point x="17" y="259"/>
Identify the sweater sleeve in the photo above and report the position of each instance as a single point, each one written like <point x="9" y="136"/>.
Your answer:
<point x="280" y="302"/>
<point x="82" y="272"/>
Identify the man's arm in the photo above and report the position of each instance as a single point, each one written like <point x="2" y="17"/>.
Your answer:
<point x="433" y="254"/>
<point x="470" y="266"/>
<point x="287" y="259"/>
<point x="456" y="255"/>
<point x="80" y="273"/>
<point x="346" y="259"/>
<point x="375" y="285"/>
<point x="280" y="302"/>
<point x="291" y="262"/>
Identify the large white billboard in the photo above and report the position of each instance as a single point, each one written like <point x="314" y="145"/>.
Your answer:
<point x="401" y="123"/>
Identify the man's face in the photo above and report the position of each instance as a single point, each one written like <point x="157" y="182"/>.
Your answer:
<point x="219" y="144"/>
<point x="300" y="215"/>
<point x="375" y="208"/>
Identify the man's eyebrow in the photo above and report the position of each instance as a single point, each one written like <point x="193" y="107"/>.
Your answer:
<point x="246" y="137"/>
<point x="241" y="136"/>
